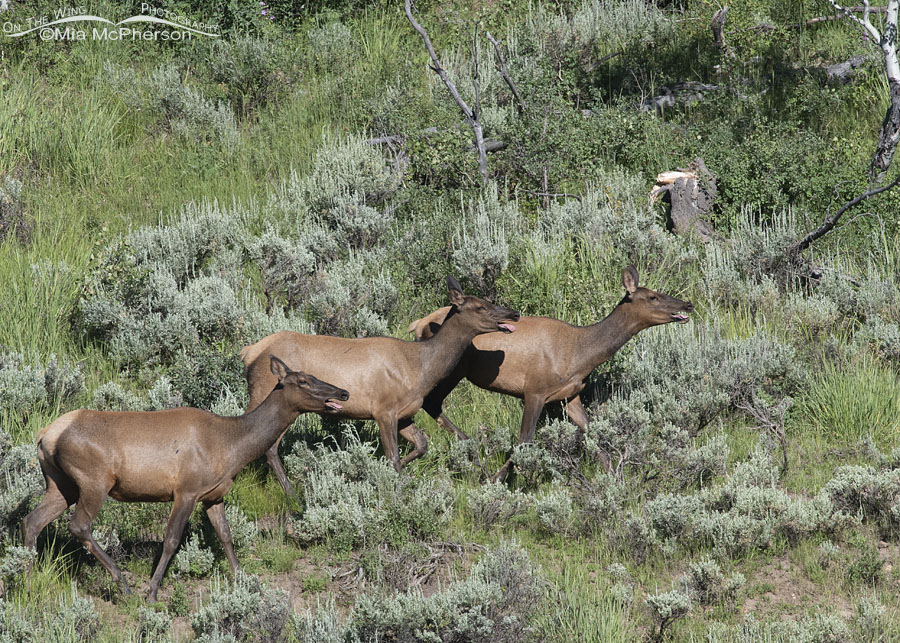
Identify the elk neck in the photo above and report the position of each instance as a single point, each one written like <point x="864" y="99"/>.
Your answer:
<point x="598" y="342"/>
<point x="442" y="352"/>
<point x="256" y="431"/>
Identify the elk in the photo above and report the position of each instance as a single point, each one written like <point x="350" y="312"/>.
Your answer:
<point x="389" y="377"/>
<point x="182" y="455"/>
<point x="548" y="360"/>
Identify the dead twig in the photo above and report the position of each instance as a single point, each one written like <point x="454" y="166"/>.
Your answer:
<point x="472" y="117"/>
<point x="520" y="104"/>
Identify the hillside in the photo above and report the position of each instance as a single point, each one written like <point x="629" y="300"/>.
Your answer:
<point x="166" y="201"/>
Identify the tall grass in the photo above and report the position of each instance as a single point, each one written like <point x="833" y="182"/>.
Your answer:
<point x="846" y="404"/>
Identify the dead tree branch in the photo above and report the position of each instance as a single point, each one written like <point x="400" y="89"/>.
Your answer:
<point x="520" y="104"/>
<point x="887" y="42"/>
<point x="832" y="220"/>
<point x="890" y="127"/>
<point x="472" y="117"/>
<point x="718" y="31"/>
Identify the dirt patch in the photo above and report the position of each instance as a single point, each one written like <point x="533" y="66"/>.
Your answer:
<point x="786" y="592"/>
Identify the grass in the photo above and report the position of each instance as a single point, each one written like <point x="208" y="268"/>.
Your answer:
<point x="93" y="169"/>
<point x="848" y="403"/>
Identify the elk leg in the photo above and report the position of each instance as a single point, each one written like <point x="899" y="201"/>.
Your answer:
<point x="278" y="468"/>
<point x="578" y="415"/>
<point x="50" y="508"/>
<point x="575" y="411"/>
<point x="216" y="513"/>
<point x="88" y="507"/>
<point x="387" y="426"/>
<point x="434" y="403"/>
<point x="532" y="412"/>
<point x="415" y="435"/>
<point x="181" y="511"/>
<point x="445" y="422"/>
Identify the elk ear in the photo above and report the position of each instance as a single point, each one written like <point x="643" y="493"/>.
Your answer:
<point x="279" y="368"/>
<point x="456" y="294"/>
<point x="630" y="279"/>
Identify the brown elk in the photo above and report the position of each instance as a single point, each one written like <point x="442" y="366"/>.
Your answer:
<point x="183" y="455"/>
<point x="389" y="377"/>
<point x="548" y="360"/>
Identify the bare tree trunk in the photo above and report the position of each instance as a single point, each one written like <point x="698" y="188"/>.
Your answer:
<point x="472" y="117"/>
<point x="520" y="104"/>
<point x="890" y="127"/>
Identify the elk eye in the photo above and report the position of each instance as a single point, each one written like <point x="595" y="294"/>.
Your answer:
<point x="653" y="297"/>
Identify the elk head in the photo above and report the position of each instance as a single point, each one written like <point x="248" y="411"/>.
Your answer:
<point x="305" y="391"/>
<point x="652" y="308"/>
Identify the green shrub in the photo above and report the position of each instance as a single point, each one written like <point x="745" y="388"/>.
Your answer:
<point x="25" y="386"/>
<point x="12" y="210"/>
<point x="154" y="626"/>
<point x="70" y="620"/>
<point x="192" y="559"/>
<point x="706" y="583"/>
<point x="246" y="610"/>
<point x="666" y="608"/>
<point x="353" y="499"/>
<point x="494" y="503"/>
<point x="247" y="67"/>
<point x="21" y="481"/>
<point x="188" y="113"/>
<point x="498" y="603"/>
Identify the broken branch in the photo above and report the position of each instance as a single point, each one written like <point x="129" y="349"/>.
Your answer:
<point x="520" y="104"/>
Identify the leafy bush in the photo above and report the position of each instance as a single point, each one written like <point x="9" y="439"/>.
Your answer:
<point x="12" y="210"/>
<point x="822" y="628"/>
<point x="319" y="626"/>
<point x="247" y="67"/>
<point x="354" y="499"/>
<point x="154" y="626"/>
<point x="868" y="492"/>
<point x="706" y="583"/>
<point x="246" y="610"/>
<point x="495" y="502"/>
<point x="188" y="113"/>
<point x="25" y="385"/>
<point x="480" y="249"/>
<point x="745" y="513"/>
<point x="20" y="481"/>
<point x="192" y="559"/>
<point x="666" y="608"/>
<point x="498" y="603"/>
<point x="555" y="510"/>
<point x="70" y="620"/>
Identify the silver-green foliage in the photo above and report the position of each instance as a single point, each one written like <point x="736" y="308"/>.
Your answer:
<point x="497" y="603"/>
<point x="246" y="610"/>
<point x="746" y="512"/>
<point x="70" y="620"/>
<point x="188" y="112"/>
<point x="870" y="493"/>
<point x="154" y="626"/>
<point x="20" y="481"/>
<point x="193" y="559"/>
<point x="353" y="499"/>
<point x="494" y="503"/>
<point x="24" y="384"/>
<point x="666" y="608"/>
<point x="822" y="628"/>
<point x="705" y="582"/>
<point x="672" y="385"/>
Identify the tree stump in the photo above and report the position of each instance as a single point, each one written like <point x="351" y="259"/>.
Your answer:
<point x="691" y="193"/>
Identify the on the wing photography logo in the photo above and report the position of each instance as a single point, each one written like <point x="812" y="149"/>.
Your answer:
<point x="75" y="23"/>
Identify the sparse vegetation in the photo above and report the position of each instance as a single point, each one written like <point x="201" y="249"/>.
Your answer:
<point x="162" y="204"/>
